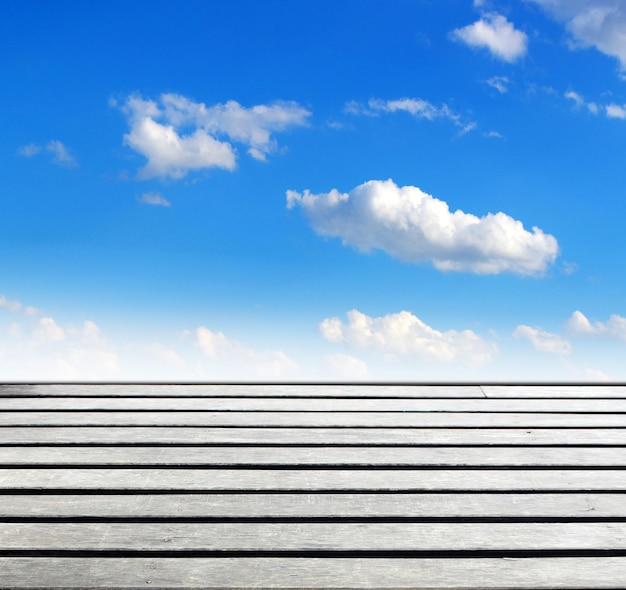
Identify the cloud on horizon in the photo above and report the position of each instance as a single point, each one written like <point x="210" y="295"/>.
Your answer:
<point x="415" y="227"/>
<point x="404" y="334"/>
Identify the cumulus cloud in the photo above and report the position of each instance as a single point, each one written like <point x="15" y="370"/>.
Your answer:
<point x="615" y="111"/>
<point x="579" y="324"/>
<point x="49" y="331"/>
<point x="154" y="199"/>
<point x="177" y="135"/>
<point x="240" y="358"/>
<point x="404" y="334"/>
<point x="593" y="23"/>
<point x="543" y="341"/>
<point x="495" y="33"/>
<point x="414" y="226"/>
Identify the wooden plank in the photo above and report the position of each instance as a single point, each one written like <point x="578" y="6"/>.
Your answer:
<point x="555" y="390"/>
<point x="346" y="505"/>
<point x="452" y="574"/>
<point x="251" y="390"/>
<point x="307" y="456"/>
<point x="613" y="406"/>
<point x="312" y="419"/>
<point x="314" y="537"/>
<point x="321" y="436"/>
<point x="317" y="480"/>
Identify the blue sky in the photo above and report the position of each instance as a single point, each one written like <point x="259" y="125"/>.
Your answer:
<point x="416" y="191"/>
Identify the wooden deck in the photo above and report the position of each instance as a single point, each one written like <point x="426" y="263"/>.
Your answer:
<point x="304" y="486"/>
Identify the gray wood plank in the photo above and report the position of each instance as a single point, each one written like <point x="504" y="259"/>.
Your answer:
<point x="320" y="436"/>
<point x="312" y="536"/>
<point x="451" y="574"/>
<point x="246" y="390"/>
<point x="212" y="456"/>
<point x="555" y="390"/>
<point x="306" y="419"/>
<point x="316" y="480"/>
<point x="316" y="404"/>
<point x="242" y="505"/>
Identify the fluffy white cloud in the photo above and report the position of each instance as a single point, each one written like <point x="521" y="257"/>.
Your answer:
<point x="593" y="23"/>
<point x="543" y="341"/>
<point x="177" y="135"/>
<point x="49" y="331"/>
<point x="166" y="355"/>
<point x="240" y="359"/>
<point x="615" y="111"/>
<point x="495" y="33"/>
<point x="413" y="226"/>
<point x="404" y="334"/>
<point x="579" y="101"/>
<point x="154" y="199"/>
<point x="615" y="326"/>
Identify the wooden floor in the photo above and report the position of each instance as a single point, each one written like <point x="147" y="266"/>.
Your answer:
<point x="304" y="486"/>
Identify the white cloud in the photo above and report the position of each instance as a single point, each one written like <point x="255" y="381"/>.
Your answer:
<point x="500" y="83"/>
<point x="615" y="111"/>
<point x="579" y="102"/>
<point x="543" y="341"/>
<point x="417" y="107"/>
<point x="61" y="155"/>
<point x="29" y="150"/>
<point x="413" y="226"/>
<point x="346" y="367"/>
<point x="495" y="33"/>
<point x="615" y="326"/>
<point x="166" y="355"/>
<point x="593" y="23"/>
<point x="15" y="306"/>
<point x="236" y="358"/>
<point x="154" y="199"/>
<point x="48" y="331"/>
<point x="178" y="135"/>
<point x="404" y="334"/>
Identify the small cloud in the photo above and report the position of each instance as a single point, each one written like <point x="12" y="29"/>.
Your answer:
<point x="414" y="226"/>
<point x="166" y="355"/>
<point x="500" y="83"/>
<point x="543" y="341"/>
<point x="615" y="326"/>
<point x="154" y="199"/>
<point x="404" y="334"/>
<point x="579" y="102"/>
<point x="15" y="306"/>
<point x="493" y="134"/>
<point x="495" y="33"/>
<point x="29" y="150"/>
<point x="61" y="154"/>
<point x="615" y="111"/>
<point x="48" y="331"/>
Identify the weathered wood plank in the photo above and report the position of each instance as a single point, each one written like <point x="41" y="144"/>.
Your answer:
<point x="451" y="574"/>
<point x="365" y="456"/>
<point x="346" y="505"/>
<point x="556" y="390"/>
<point x="313" y="537"/>
<point x="252" y="390"/>
<point x="321" y="436"/>
<point x="312" y="419"/>
<point x="316" y="404"/>
<point x="316" y="480"/>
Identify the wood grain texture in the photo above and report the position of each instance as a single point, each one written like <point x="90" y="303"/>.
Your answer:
<point x="452" y="574"/>
<point x="466" y="487"/>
